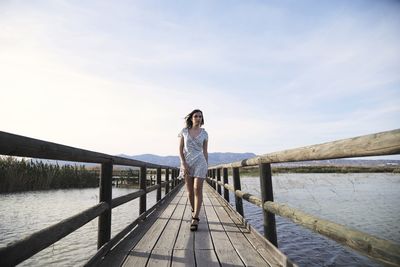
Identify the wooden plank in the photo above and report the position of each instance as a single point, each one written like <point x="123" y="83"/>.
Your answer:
<point x="202" y="237"/>
<point x="247" y="253"/>
<point x="207" y="257"/>
<point x="169" y="235"/>
<point x="118" y="254"/>
<point x="159" y="258"/>
<point x="269" y="252"/>
<point x="136" y="257"/>
<point x="184" y="258"/>
<point x="185" y="239"/>
<point x="224" y="249"/>
<point x="162" y="252"/>
<point x="143" y="248"/>
<point x="148" y="241"/>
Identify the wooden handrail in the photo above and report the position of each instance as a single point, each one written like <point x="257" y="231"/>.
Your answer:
<point x="377" y="248"/>
<point x="384" y="143"/>
<point x="16" y="145"/>
<point x="104" y="249"/>
<point x="22" y="249"/>
<point x="21" y="146"/>
<point x="126" y="198"/>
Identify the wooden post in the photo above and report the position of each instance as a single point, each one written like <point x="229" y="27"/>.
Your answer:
<point x="225" y="178"/>
<point x="158" y="182"/>
<point x="214" y="184"/>
<point x="237" y="186"/>
<point x="167" y="180"/>
<point x="268" y="195"/>
<point x="142" y="185"/>
<point x="172" y="178"/>
<point x="175" y="178"/>
<point x="219" y="180"/>
<point x="104" y="224"/>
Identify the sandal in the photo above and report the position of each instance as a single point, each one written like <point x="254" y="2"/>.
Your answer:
<point x="193" y="226"/>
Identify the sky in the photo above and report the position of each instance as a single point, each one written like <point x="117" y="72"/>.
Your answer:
<point x="120" y="76"/>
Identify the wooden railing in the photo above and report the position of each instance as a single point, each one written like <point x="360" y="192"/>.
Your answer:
<point x="384" y="143"/>
<point x="18" y="251"/>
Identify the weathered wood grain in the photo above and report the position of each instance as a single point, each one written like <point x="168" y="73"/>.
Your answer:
<point x="202" y="237"/>
<point x="22" y="146"/>
<point x="146" y="244"/>
<point x="269" y="252"/>
<point x="119" y="253"/>
<point x="162" y="252"/>
<point x="376" y="248"/>
<point x="224" y="249"/>
<point x="383" y="143"/>
<point x="159" y="258"/>
<point x="183" y="258"/>
<point x="247" y="253"/>
<point x="208" y="258"/>
<point x="185" y="239"/>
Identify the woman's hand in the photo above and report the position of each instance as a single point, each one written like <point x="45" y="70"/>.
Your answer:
<point x="185" y="168"/>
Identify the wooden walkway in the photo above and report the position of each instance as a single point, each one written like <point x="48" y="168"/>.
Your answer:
<point x="165" y="239"/>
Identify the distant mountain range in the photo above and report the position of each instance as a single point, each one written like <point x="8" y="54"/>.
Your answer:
<point x="213" y="158"/>
<point x="220" y="158"/>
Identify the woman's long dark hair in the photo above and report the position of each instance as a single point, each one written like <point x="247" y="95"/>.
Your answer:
<point x="188" y="118"/>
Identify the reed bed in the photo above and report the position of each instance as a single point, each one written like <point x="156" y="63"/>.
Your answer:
<point x="26" y="175"/>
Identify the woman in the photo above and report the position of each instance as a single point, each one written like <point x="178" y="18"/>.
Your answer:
<point x="194" y="161"/>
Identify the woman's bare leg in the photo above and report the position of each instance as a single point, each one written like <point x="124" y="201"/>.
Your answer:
<point x="198" y="195"/>
<point x="189" y="190"/>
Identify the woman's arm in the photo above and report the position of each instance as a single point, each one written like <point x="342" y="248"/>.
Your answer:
<point x="182" y="156"/>
<point x="205" y="149"/>
<point x="181" y="145"/>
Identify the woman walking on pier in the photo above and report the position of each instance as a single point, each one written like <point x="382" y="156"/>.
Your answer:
<point x="194" y="161"/>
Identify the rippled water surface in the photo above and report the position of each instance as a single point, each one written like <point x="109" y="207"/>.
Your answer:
<point x="366" y="202"/>
<point x="24" y="213"/>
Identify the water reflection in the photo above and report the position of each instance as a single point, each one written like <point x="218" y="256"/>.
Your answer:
<point x="367" y="202"/>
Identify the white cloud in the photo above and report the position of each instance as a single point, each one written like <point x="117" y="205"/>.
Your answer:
<point x="122" y="83"/>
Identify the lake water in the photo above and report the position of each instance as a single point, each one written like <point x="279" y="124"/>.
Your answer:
<point x="366" y="202"/>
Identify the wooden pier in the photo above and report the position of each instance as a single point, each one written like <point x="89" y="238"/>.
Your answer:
<point x="222" y="239"/>
<point x="161" y="235"/>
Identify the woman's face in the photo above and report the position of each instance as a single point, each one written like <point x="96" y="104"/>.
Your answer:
<point x="197" y="118"/>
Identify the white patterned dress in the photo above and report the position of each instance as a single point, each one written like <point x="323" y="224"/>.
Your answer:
<point x="193" y="152"/>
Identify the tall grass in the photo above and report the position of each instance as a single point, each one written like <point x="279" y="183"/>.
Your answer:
<point x="24" y="175"/>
